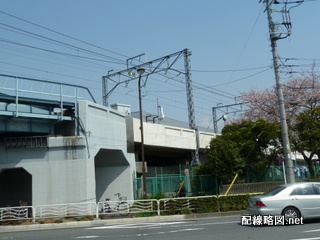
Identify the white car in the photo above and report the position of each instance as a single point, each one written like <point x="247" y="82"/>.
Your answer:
<point x="293" y="200"/>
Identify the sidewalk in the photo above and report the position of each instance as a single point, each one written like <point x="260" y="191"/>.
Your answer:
<point x="98" y="222"/>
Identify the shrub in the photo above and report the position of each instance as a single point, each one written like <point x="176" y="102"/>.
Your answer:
<point x="159" y="195"/>
<point x="233" y="203"/>
<point x="145" y="214"/>
<point x="86" y="218"/>
<point x="58" y="220"/>
<point x="185" y="211"/>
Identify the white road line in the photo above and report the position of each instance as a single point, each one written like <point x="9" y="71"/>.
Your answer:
<point x="151" y="234"/>
<point x="86" y="237"/>
<point x="315" y="230"/>
<point x="173" y="231"/>
<point x="316" y="238"/>
<point x="135" y="225"/>
<point x="188" y="229"/>
<point x="215" y="223"/>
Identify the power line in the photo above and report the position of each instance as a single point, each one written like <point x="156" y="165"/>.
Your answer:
<point x="244" y="47"/>
<point x="62" y="43"/>
<point x="62" y="34"/>
<point x="55" y="52"/>
<point x="77" y="57"/>
<point x="230" y="70"/>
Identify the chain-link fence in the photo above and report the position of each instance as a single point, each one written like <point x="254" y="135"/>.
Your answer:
<point x="166" y="185"/>
<point x="163" y="181"/>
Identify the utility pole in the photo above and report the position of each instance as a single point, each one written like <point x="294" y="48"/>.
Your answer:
<point x="274" y="36"/>
<point x="141" y="71"/>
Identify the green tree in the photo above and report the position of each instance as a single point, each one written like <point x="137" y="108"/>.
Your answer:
<point x="251" y="146"/>
<point x="301" y="94"/>
<point x="224" y="159"/>
<point x="307" y="130"/>
<point x="258" y="142"/>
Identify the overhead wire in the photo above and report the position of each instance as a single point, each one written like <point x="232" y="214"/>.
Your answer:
<point x="55" y="52"/>
<point x="64" y="44"/>
<point x="76" y="47"/>
<point x="62" y="34"/>
<point x="245" y="45"/>
<point x="174" y="99"/>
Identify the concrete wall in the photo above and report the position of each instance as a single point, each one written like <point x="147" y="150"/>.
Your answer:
<point x="59" y="171"/>
<point x="171" y="137"/>
<point x="164" y="136"/>
<point x="75" y="169"/>
<point x="65" y="175"/>
<point x="95" y="165"/>
<point x="205" y="138"/>
<point x="106" y="133"/>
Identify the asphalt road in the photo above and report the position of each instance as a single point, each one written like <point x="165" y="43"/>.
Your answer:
<point x="196" y="229"/>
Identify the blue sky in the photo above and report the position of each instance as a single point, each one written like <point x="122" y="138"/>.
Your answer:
<point x="228" y="39"/>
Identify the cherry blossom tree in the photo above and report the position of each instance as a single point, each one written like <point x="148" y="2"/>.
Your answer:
<point x="301" y="95"/>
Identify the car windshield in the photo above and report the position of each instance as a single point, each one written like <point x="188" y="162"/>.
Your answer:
<point x="274" y="191"/>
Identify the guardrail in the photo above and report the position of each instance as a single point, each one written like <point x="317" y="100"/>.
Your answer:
<point x="126" y="207"/>
<point x="16" y="213"/>
<point x="169" y="206"/>
<point x="65" y="210"/>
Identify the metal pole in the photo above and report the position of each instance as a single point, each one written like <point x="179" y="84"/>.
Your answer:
<point x="284" y="172"/>
<point x="284" y="128"/>
<point x="76" y="112"/>
<point x="191" y="113"/>
<point x="17" y="97"/>
<point x="105" y="90"/>
<point x="215" y="122"/>
<point x="61" y="102"/>
<point x="144" y="185"/>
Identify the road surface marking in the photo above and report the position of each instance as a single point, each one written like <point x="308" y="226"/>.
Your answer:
<point x="315" y="230"/>
<point x="136" y="225"/>
<point x="315" y="238"/>
<point x="86" y="237"/>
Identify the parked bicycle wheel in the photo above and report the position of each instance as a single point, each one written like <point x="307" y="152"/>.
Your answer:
<point x="106" y="208"/>
<point x="124" y="208"/>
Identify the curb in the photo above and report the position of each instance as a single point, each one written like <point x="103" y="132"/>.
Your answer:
<point x="101" y="222"/>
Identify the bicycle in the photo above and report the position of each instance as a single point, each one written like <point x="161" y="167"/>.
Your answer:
<point x="23" y="211"/>
<point x="122" y="206"/>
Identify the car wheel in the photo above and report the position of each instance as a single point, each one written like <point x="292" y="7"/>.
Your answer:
<point x="289" y="213"/>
